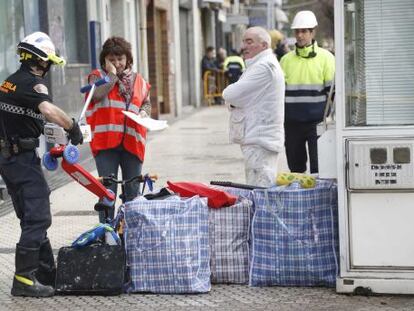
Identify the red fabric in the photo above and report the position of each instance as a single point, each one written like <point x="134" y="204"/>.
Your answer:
<point x="216" y="198"/>
<point x="114" y="116"/>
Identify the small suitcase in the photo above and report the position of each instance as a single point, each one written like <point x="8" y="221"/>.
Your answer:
<point x="97" y="269"/>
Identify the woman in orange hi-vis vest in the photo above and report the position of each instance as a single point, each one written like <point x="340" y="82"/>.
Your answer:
<point x="118" y="141"/>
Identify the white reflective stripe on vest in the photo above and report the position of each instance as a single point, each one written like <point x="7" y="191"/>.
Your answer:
<point x="120" y="129"/>
<point x="305" y="99"/>
<point x="105" y="103"/>
<point x="132" y="132"/>
<point x="109" y="128"/>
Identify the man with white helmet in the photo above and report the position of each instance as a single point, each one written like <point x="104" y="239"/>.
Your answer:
<point x="309" y="73"/>
<point x="25" y="104"/>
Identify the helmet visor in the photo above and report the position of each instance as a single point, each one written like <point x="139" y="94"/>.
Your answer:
<point x="55" y="59"/>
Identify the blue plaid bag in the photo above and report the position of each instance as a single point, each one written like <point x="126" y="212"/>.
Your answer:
<point x="295" y="236"/>
<point x="167" y="245"/>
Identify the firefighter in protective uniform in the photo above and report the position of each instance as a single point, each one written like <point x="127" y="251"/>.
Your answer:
<point x="25" y="104"/>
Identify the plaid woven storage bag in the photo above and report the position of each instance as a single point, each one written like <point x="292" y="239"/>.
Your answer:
<point x="241" y="193"/>
<point x="295" y="236"/>
<point x="229" y="237"/>
<point x="167" y="245"/>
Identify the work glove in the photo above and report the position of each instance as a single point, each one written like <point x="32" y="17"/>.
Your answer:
<point x="75" y="134"/>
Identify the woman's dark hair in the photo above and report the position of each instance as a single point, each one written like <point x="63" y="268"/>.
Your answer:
<point x="116" y="46"/>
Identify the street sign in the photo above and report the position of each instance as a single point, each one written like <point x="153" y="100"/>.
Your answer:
<point x="237" y="19"/>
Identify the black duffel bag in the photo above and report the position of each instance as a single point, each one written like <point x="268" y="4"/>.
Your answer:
<point x="96" y="269"/>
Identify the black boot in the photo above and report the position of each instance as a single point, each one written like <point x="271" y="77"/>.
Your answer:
<point x="24" y="281"/>
<point x="46" y="274"/>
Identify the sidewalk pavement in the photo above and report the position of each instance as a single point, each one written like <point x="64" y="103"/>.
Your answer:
<point x="195" y="148"/>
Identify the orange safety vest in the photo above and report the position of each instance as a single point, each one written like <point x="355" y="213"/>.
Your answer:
<point x="110" y="127"/>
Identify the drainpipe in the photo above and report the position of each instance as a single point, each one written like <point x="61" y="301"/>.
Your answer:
<point x="143" y="53"/>
<point x="177" y="57"/>
<point x="197" y="34"/>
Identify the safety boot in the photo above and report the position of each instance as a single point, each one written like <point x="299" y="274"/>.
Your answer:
<point x="25" y="282"/>
<point x="46" y="274"/>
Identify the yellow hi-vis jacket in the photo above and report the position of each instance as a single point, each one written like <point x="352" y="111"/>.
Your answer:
<point x="234" y="59"/>
<point x="309" y="74"/>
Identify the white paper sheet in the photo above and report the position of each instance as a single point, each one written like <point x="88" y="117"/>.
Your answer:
<point x="150" y="124"/>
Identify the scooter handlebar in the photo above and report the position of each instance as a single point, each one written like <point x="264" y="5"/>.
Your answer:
<point x="109" y="180"/>
<point x="99" y="82"/>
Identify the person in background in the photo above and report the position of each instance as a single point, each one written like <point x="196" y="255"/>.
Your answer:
<point x="25" y="104"/>
<point x="256" y="109"/>
<point x="276" y="37"/>
<point x="309" y="73"/>
<point x="209" y="62"/>
<point x="118" y="142"/>
<point x="214" y="80"/>
<point x="221" y="56"/>
<point x="282" y="48"/>
<point x="233" y="66"/>
<point x="279" y="44"/>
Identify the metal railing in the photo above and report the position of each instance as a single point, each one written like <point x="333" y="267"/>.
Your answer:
<point x="214" y="82"/>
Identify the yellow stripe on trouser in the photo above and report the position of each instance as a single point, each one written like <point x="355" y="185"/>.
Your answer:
<point x="24" y="280"/>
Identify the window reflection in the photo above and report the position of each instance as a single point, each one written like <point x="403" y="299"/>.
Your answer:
<point x="11" y="31"/>
<point x="379" y="62"/>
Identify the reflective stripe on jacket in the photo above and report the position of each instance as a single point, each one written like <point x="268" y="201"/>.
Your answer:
<point x="110" y="127"/>
<point x="234" y="59"/>
<point x="308" y="80"/>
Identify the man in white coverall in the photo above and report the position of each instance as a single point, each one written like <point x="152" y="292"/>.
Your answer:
<point x="256" y="103"/>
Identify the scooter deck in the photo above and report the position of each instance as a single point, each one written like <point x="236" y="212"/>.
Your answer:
<point x="87" y="180"/>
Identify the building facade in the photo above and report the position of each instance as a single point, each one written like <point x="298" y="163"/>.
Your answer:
<point x="168" y="39"/>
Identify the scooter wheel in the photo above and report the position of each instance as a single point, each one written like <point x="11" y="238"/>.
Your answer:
<point x="108" y="202"/>
<point x="71" y="154"/>
<point x="49" y="162"/>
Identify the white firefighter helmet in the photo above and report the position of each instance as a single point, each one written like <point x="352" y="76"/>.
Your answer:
<point x="39" y="44"/>
<point x="304" y="20"/>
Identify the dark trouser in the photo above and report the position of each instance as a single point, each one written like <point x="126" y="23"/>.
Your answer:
<point x="29" y="192"/>
<point x="108" y="163"/>
<point x="297" y="134"/>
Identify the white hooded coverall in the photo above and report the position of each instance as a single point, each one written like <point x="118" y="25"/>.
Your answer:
<point x="256" y="103"/>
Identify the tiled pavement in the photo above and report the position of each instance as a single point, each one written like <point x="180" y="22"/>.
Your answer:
<point x="194" y="148"/>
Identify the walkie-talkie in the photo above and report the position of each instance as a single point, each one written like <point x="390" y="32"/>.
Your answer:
<point x="5" y="148"/>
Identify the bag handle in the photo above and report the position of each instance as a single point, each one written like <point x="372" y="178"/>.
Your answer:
<point x="314" y="229"/>
<point x="280" y="222"/>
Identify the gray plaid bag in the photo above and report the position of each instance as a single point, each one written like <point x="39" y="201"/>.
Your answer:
<point x="229" y="242"/>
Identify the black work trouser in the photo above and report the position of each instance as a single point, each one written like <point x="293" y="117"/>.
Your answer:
<point x="297" y="134"/>
<point x="29" y="192"/>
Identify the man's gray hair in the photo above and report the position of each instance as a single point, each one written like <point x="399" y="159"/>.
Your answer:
<point x="262" y="34"/>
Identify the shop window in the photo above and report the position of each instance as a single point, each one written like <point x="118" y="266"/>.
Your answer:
<point x="379" y="62"/>
<point x="11" y="31"/>
<point x="76" y="31"/>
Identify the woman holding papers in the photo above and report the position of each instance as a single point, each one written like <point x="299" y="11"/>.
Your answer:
<point x="117" y="140"/>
